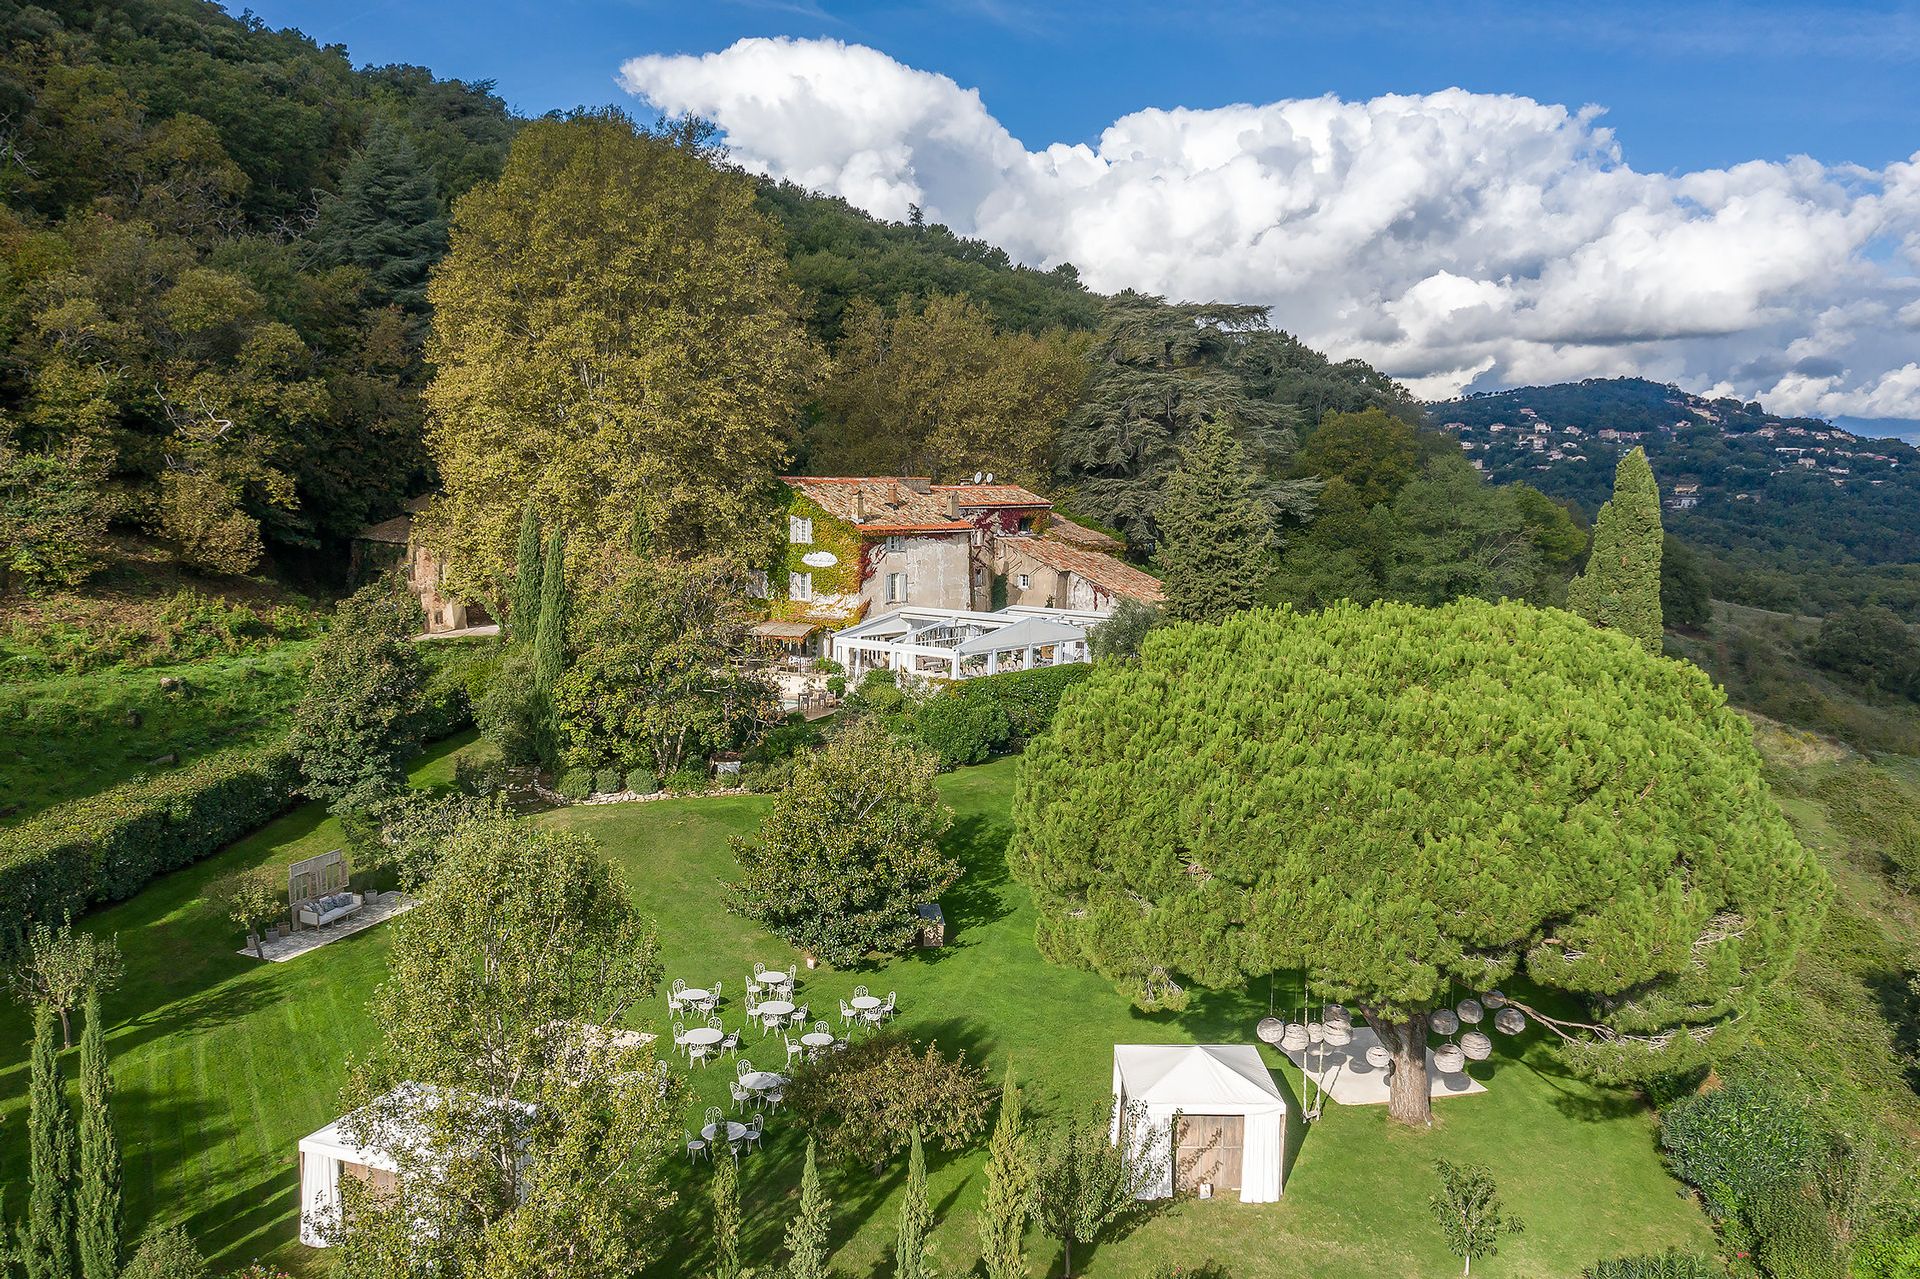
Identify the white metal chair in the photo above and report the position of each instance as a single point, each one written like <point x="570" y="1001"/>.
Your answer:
<point x="697" y="1149"/>
<point x="887" y="1008"/>
<point x="713" y="1115"/>
<point x="730" y="1043"/>
<point x="680" y="1035"/>
<point x="847" y="1015"/>
<point x="741" y="1095"/>
<point x="859" y="992"/>
<point x="755" y="1127"/>
<point x="759" y="969"/>
<point x="794" y="1049"/>
<point x="673" y="994"/>
<point x="798" y="1017"/>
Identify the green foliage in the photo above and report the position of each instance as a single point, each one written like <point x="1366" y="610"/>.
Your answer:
<point x="1120" y="636"/>
<point x="188" y="626"/>
<point x="1373" y="453"/>
<point x="53" y="515"/>
<point x="663" y="679"/>
<point x="1739" y="1144"/>
<point x="1162" y="371"/>
<point x="550" y="637"/>
<point x="1879" y="814"/>
<point x="1794" y="1238"/>
<point x="166" y="1252"/>
<point x="1671" y="1264"/>
<point x="511" y="714"/>
<point x="936" y="390"/>
<point x="1084" y="1184"/>
<point x="1214" y="534"/>
<point x="108" y="846"/>
<point x="850" y="847"/>
<point x="1469" y="1211"/>
<point x="386" y="219"/>
<point x="810" y="1229"/>
<point x="916" y="1219"/>
<point x="1871" y="646"/>
<point x="97" y="1211"/>
<point x="1005" y="1201"/>
<point x="1620" y="587"/>
<point x="867" y="1104"/>
<point x="726" y="1219"/>
<point x="616" y="339"/>
<point x="525" y="942"/>
<point x="990" y="713"/>
<point x="1684" y="589"/>
<point x="523" y="605"/>
<point x="960" y="730"/>
<point x="46" y="1241"/>
<point x="357" y="724"/>
<point x="1563" y="805"/>
<point x="254" y="900"/>
<point x="62" y="968"/>
<point x="575" y="783"/>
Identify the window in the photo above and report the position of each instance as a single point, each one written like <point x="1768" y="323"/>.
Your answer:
<point x="895" y="545"/>
<point x="757" y="585"/>
<point x="1024" y="580"/>
<point x="800" y="530"/>
<point x="800" y="586"/>
<point x="896" y="588"/>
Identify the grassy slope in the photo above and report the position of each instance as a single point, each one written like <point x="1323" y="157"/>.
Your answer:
<point x="223" y="1063"/>
<point x="69" y="735"/>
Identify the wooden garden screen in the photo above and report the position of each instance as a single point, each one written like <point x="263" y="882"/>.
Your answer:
<point x="1208" y="1149"/>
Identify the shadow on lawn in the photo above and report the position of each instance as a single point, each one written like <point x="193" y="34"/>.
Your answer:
<point x="1574" y="1096"/>
<point x="233" y="1229"/>
<point x="979" y="897"/>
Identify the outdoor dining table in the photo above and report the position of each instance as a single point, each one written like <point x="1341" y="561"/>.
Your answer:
<point x="772" y="1008"/>
<point x="863" y="1003"/>
<point x="734" y="1131"/>
<point x="816" y="1039"/>
<point x="762" y="1080"/>
<point x="695" y="995"/>
<point x="703" y="1035"/>
<point x="772" y="977"/>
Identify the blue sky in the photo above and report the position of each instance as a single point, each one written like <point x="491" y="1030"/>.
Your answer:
<point x="1468" y="196"/>
<point x="1685" y="85"/>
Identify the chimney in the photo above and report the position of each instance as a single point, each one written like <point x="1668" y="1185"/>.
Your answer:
<point x="859" y="504"/>
<point x="953" y="505"/>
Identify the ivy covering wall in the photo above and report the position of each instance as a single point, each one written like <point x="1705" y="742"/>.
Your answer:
<point x="830" y="533"/>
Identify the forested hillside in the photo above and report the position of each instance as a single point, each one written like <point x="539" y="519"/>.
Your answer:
<point x="1795" y="513"/>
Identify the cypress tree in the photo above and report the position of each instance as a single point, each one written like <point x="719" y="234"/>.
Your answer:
<point x="1003" y="1207"/>
<point x="807" y="1233"/>
<point x="916" y="1219"/>
<point x="1620" y="587"/>
<point x="386" y="219"/>
<point x="523" y="615"/>
<point x="1215" y="530"/>
<point x="97" y="1210"/>
<point x="726" y="1219"/>
<point x="46" y="1244"/>
<point x="550" y="640"/>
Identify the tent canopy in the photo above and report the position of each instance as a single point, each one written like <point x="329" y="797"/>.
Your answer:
<point x="1195" y="1076"/>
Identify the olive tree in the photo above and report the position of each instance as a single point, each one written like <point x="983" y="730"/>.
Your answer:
<point x="1404" y="801"/>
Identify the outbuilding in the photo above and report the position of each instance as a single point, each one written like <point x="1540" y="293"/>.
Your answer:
<point x="1214" y="1108"/>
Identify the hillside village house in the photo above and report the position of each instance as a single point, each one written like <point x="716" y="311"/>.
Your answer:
<point x="391" y="543"/>
<point x="903" y="573"/>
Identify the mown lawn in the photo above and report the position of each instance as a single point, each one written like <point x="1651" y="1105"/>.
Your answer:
<point x="223" y="1064"/>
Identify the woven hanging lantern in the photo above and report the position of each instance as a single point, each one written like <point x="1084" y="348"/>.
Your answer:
<point x="1337" y="1015"/>
<point x="1476" y="1045"/>
<point x="1294" y="1037"/>
<point x="1509" y="1020"/>
<point x="1470" y="1011"/>
<point x="1443" y="1021"/>
<point x="1449" y="1060"/>
<point x="1316" y="1032"/>
<point x="1378" y="1057"/>
<point x="1494" y="999"/>
<point x="1270" y="1030"/>
<point x="1338" y="1036"/>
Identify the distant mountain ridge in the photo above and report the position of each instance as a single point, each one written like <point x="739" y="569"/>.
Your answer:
<point x="1766" y="496"/>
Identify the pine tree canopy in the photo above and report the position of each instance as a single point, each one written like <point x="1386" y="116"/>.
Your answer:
<point x="1620" y="587"/>
<point x="386" y="218"/>
<point x="1409" y="800"/>
<point x="1214" y="530"/>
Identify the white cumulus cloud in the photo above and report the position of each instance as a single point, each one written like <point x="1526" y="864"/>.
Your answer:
<point x="1455" y="240"/>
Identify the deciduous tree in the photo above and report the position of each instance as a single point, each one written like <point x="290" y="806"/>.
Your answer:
<point x="1412" y="801"/>
<point x="615" y="333"/>
<point x="865" y="1104"/>
<point x="354" y="729"/>
<point x="1083" y="1184"/>
<point x="60" y="967"/>
<point x="850" y="847"/>
<point x="1469" y="1211"/>
<point x="254" y="901"/>
<point x="1620" y="587"/>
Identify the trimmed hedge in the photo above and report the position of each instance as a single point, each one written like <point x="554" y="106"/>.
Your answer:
<point x="968" y="719"/>
<point x="108" y="846"/>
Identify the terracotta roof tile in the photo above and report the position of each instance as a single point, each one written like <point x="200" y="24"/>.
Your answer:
<point x="880" y="504"/>
<point x="979" y="496"/>
<point x="1111" y="575"/>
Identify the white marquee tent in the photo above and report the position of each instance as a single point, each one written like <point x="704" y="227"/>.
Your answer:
<point x="1232" y="1127"/>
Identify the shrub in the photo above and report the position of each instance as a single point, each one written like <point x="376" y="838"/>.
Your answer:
<point x="1029" y="699"/>
<point x="1738" y="1145"/>
<point x="511" y="713"/>
<point x="1655" y="1265"/>
<point x="575" y="783"/>
<point x="167" y="1253"/>
<point x="960" y="730"/>
<point x="792" y="737"/>
<point x="1794" y="1238"/>
<point x="481" y="771"/>
<point x="606" y="781"/>
<point x="458" y="677"/>
<point x="687" y="781"/>
<point x="106" y="847"/>
<point x="862" y="1105"/>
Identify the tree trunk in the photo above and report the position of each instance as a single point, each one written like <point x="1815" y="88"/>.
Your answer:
<point x="1066" y="1268"/>
<point x="66" y="1030"/>
<point x="1409" y="1095"/>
